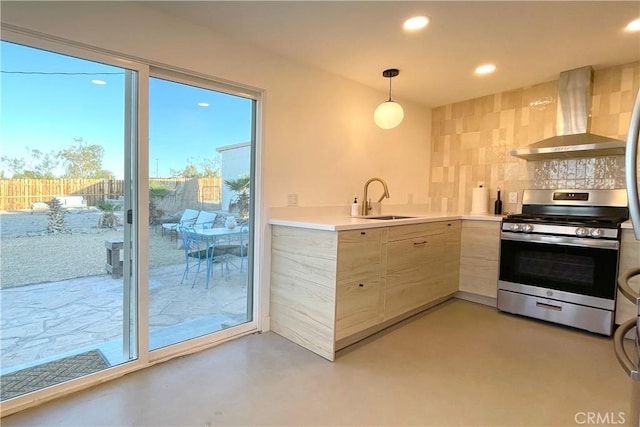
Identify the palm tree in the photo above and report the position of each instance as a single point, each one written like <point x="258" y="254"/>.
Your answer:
<point x="241" y="187"/>
<point x="108" y="219"/>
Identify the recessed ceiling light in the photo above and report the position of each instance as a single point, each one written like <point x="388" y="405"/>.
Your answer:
<point x="98" y="82"/>
<point x="416" y="23"/>
<point x="633" y="25"/>
<point x="203" y="104"/>
<point x="486" y="69"/>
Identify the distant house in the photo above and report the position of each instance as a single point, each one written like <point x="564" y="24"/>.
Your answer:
<point x="236" y="160"/>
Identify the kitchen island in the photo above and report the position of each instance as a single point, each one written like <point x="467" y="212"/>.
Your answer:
<point x="336" y="279"/>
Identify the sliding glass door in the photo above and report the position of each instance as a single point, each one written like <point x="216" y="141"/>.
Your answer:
<point x="126" y="214"/>
<point x="67" y="289"/>
<point x="200" y="151"/>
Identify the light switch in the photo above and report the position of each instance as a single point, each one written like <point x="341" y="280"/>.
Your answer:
<point x="292" y="200"/>
<point x="513" y="197"/>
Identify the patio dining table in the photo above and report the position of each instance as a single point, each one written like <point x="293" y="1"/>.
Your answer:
<point x="217" y="233"/>
<point x="212" y="237"/>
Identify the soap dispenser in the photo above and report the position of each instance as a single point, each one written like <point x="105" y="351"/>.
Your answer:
<point x="354" y="207"/>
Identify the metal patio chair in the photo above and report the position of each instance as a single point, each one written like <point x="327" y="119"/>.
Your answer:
<point x="198" y="248"/>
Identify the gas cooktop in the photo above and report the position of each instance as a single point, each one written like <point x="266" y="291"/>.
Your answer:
<point x="594" y="207"/>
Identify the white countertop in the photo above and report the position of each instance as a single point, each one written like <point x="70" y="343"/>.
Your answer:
<point x="338" y="222"/>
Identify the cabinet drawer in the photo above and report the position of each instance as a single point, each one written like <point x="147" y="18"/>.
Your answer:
<point x="414" y="273"/>
<point x="417" y="254"/>
<point x="402" y="232"/>
<point x="364" y="236"/>
<point x="358" y="305"/>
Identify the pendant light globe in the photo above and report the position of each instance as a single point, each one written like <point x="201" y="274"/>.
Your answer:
<point x="389" y="114"/>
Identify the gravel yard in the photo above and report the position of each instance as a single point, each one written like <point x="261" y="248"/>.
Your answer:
<point x="28" y="254"/>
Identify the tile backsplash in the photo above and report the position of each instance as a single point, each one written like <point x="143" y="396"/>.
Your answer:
<point x="471" y="141"/>
<point x="600" y="172"/>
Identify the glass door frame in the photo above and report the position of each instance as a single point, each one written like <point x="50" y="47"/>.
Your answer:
<point x="199" y="343"/>
<point x="136" y="130"/>
<point x="137" y="176"/>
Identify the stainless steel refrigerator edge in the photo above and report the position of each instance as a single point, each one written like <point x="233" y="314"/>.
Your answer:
<point x="631" y="362"/>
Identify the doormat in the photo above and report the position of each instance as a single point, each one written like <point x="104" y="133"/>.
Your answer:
<point x="51" y="373"/>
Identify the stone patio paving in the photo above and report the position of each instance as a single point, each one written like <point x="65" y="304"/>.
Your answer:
<point x="47" y="321"/>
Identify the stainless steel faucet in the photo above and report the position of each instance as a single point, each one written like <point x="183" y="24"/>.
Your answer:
<point x="366" y="203"/>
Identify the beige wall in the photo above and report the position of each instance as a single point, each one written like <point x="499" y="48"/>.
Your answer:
<point x="471" y="141"/>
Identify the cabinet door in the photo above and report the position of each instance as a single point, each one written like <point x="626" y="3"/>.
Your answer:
<point x="451" y="270"/>
<point x="359" y="253"/>
<point x="359" y="280"/>
<point x="414" y="273"/>
<point x="629" y="258"/>
<point x="481" y="239"/>
<point x="358" y="305"/>
<point x="479" y="255"/>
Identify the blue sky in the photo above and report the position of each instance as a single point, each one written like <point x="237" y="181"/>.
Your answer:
<point x="47" y="111"/>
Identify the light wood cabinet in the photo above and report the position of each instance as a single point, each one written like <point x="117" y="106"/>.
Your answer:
<point x="330" y="289"/>
<point x="325" y="285"/>
<point x="479" y="258"/>
<point x="412" y="273"/>
<point x="418" y="262"/>
<point x="303" y="291"/>
<point x="629" y="258"/>
<point x="360" y="278"/>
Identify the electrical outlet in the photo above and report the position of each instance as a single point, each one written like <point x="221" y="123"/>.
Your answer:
<point x="513" y="197"/>
<point x="292" y="200"/>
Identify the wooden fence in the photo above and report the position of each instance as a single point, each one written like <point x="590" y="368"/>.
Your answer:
<point x="18" y="194"/>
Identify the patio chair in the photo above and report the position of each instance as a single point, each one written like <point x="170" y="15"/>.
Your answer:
<point x="197" y="249"/>
<point x="205" y="219"/>
<point x="188" y="217"/>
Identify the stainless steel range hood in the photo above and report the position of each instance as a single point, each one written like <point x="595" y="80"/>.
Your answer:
<point x="572" y="124"/>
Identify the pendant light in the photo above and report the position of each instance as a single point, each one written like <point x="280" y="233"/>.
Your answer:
<point x="389" y="114"/>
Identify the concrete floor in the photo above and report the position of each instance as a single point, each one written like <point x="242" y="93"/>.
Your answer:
<point x="458" y="364"/>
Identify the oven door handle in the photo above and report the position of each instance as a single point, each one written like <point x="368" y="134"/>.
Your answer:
<point x="561" y="240"/>
<point x="618" y="346"/>
<point x="625" y="288"/>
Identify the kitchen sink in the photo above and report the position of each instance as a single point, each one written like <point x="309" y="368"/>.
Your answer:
<point x="388" y="217"/>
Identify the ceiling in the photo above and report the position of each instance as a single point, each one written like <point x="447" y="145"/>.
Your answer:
<point x="529" y="42"/>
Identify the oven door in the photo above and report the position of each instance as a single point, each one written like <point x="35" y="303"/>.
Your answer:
<point x="578" y="266"/>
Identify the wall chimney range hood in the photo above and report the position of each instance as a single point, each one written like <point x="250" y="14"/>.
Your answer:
<point x="573" y="138"/>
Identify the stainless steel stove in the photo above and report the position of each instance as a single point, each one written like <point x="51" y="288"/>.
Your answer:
<point x="559" y="258"/>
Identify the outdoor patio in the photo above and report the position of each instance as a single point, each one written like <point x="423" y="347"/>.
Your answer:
<point x="47" y="321"/>
<point x="58" y="300"/>
<point x="48" y="315"/>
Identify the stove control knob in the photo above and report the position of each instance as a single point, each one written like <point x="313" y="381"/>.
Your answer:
<point x="516" y="227"/>
<point x="582" y="232"/>
<point x="596" y="233"/>
<point x="527" y="228"/>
